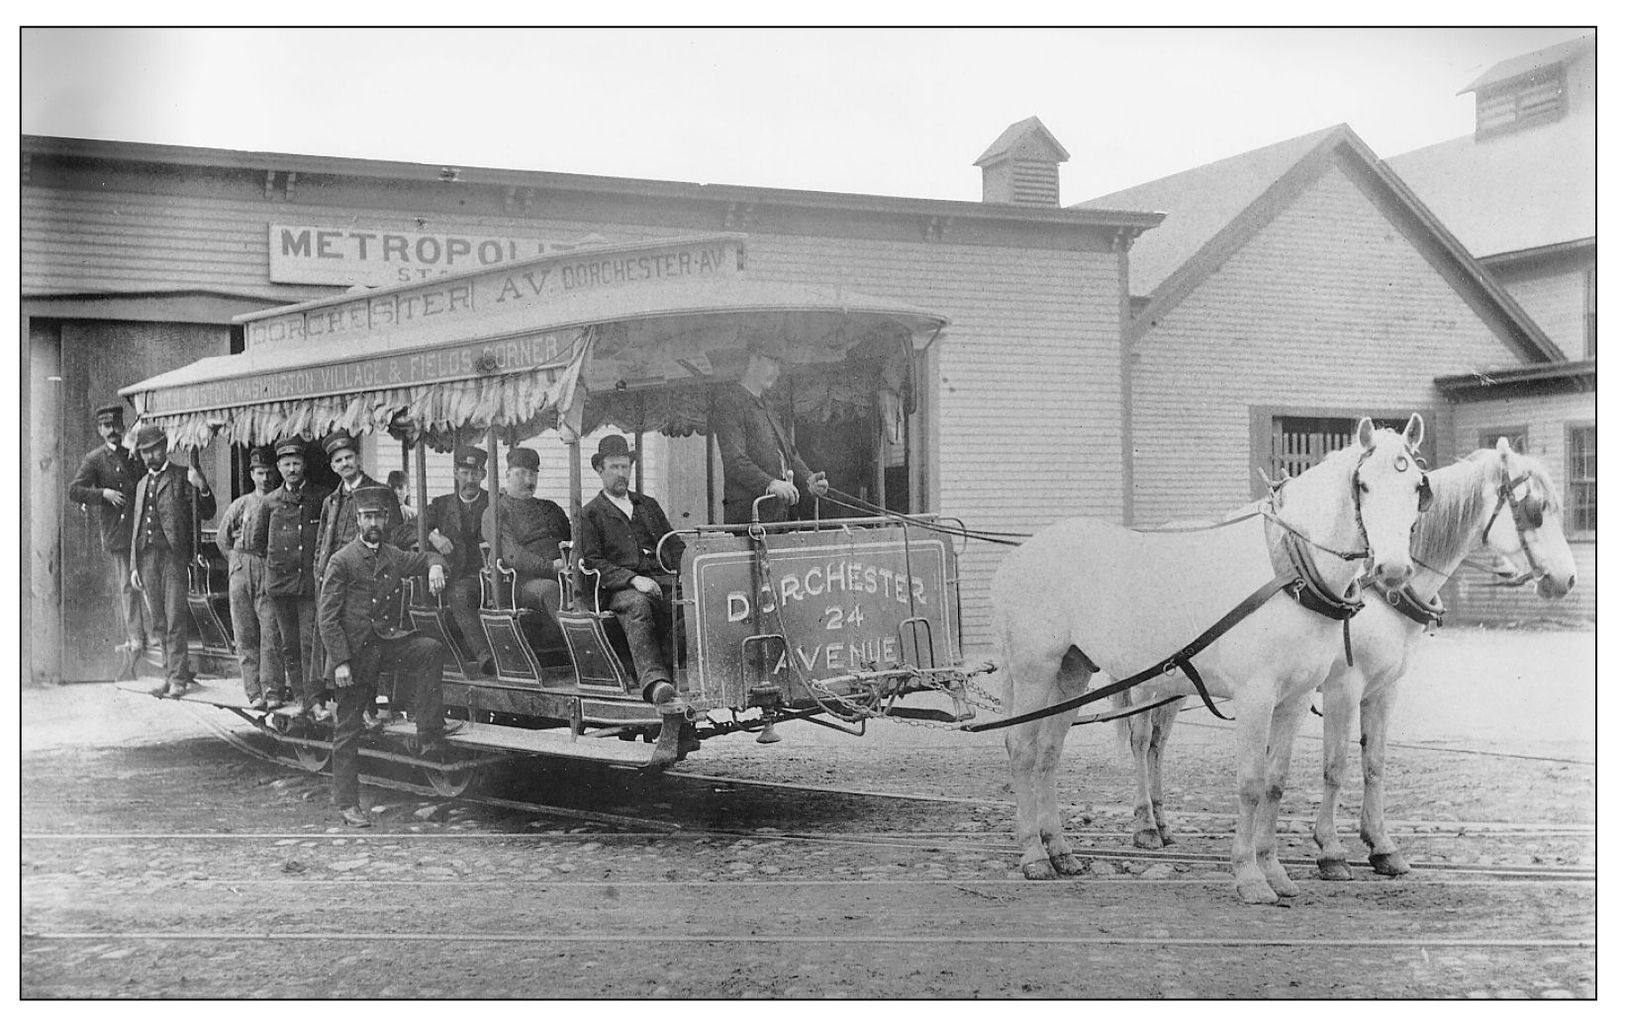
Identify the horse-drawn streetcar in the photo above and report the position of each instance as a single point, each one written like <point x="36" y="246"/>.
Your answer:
<point x="825" y="618"/>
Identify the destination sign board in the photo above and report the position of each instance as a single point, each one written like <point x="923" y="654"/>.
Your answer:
<point x="409" y="367"/>
<point x="838" y="597"/>
<point x="468" y="306"/>
<point x="329" y="255"/>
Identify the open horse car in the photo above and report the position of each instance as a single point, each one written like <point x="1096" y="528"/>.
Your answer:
<point x="818" y="617"/>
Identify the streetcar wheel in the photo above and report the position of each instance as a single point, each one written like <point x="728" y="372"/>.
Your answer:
<point x="311" y="759"/>
<point x="453" y="783"/>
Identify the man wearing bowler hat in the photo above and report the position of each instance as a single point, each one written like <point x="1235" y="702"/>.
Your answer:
<point x="617" y="533"/>
<point x="104" y="487"/>
<point x="161" y="545"/>
<point x="758" y="458"/>
<point x="285" y="536"/>
<point x="453" y="522"/>
<point x="358" y="612"/>
<point x="252" y="625"/>
<point x="531" y="531"/>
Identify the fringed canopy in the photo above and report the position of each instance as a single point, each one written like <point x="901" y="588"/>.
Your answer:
<point x="434" y="361"/>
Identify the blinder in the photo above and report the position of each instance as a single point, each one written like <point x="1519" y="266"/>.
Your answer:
<point x="1425" y="495"/>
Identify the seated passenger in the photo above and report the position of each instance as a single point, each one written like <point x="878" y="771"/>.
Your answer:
<point x="617" y="533"/>
<point x="453" y="522"/>
<point x="531" y="531"/>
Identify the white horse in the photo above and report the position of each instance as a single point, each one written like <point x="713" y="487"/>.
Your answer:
<point x="1085" y="596"/>
<point x="1493" y="499"/>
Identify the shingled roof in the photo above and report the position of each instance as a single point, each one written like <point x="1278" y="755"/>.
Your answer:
<point x="1214" y="209"/>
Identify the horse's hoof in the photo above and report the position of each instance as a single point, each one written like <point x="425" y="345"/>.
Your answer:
<point x="1168" y="837"/>
<point x="1039" y="870"/>
<point x="1285" y="887"/>
<point x="1255" y="892"/>
<point x="1148" y="839"/>
<point x="1067" y="864"/>
<point x="1334" y="869"/>
<point x="1392" y="864"/>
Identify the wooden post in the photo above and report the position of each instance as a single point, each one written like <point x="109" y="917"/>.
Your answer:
<point x="421" y="480"/>
<point x="44" y="482"/>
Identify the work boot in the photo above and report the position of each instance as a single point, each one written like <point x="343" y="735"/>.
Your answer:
<point x="176" y="690"/>
<point x="355" y="818"/>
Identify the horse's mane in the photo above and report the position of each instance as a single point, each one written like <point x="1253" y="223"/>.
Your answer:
<point x="1462" y="491"/>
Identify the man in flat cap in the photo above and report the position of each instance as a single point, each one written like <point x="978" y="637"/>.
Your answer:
<point x="161" y="545"/>
<point x="104" y="487"/>
<point x="337" y="528"/>
<point x="453" y="522"/>
<point x="531" y="531"/>
<point x="285" y="536"/>
<point x="358" y="613"/>
<point x="758" y="458"/>
<point x="252" y="625"/>
<point x="617" y="533"/>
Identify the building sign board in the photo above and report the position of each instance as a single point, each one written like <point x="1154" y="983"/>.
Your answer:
<point x="468" y="306"/>
<point x="327" y="255"/>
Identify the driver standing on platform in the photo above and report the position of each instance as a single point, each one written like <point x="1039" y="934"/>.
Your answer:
<point x="758" y="458"/>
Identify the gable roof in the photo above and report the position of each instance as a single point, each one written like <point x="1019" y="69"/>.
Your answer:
<point x="1519" y="190"/>
<point x="1199" y="202"/>
<point x="1220" y="206"/>
<point x="1563" y="52"/>
<point x="1015" y="134"/>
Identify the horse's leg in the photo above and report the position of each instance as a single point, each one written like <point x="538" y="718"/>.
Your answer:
<point x="1072" y="680"/>
<point x="1252" y="739"/>
<point x="1340" y="695"/>
<point x="1141" y="727"/>
<point x="1286" y="717"/>
<point x="1375" y="710"/>
<point x="1031" y="687"/>
<point x="1162" y="729"/>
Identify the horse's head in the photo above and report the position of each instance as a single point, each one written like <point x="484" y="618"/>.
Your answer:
<point x="1528" y="523"/>
<point x="1389" y="489"/>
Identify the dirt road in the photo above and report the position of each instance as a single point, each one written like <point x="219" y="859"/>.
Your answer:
<point x="158" y="860"/>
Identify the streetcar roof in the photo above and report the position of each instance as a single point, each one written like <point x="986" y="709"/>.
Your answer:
<point x="644" y="328"/>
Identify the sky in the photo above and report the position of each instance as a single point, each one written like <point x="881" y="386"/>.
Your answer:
<point x="902" y="112"/>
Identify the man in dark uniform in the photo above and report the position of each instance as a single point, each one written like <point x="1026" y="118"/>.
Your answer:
<point x="453" y="522"/>
<point x="531" y="531"/>
<point x="252" y="624"/>
<point x="104" y="487"/>
<point x="161" y="545"/>
<point x="617" y="534"/>
<point x="337" y="528"/>
<point x="758" y="458"/>
<point x="358" y="611"/>
<point x="285" y="536"/>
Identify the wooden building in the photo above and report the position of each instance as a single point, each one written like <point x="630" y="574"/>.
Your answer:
<point x="135" y="259"/>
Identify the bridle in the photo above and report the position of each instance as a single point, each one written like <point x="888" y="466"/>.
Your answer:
<point x="1527" y="516"/>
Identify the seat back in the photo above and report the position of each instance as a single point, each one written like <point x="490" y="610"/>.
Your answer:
<point x="434" y="618"/>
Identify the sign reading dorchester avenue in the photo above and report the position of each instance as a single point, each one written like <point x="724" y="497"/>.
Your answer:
<point x="468" y="304"/>
<point x="324" y="255"/>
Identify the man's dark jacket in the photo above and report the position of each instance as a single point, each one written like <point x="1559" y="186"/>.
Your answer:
<point x="531" y="532"/>
<point x="621" y="548"/>
<point x="360" y="601"/>
<point x="338" y="523"/>
<point x="172" y="496"/>
<point x="447" y="514"/>
<point x="108" y="467"/>
<point x="755" y="450"/>
<point x="285" y="534"/>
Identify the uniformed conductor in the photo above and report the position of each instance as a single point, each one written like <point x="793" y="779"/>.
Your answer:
<point x="358" y="612"/>
<point x="105" y="486"/>
<point x="161" y="545"/>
